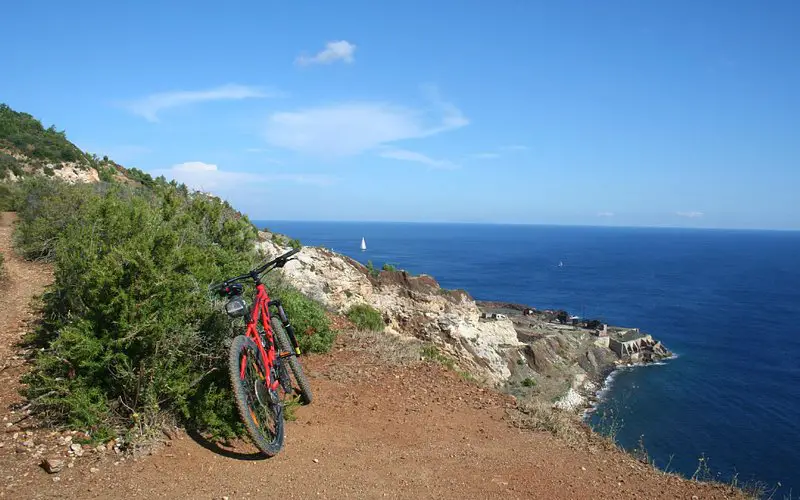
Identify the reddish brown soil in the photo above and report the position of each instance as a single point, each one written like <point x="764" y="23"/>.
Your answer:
<point x="374" y="431"/>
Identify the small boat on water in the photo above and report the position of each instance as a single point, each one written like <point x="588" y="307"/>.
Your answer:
<point x="363" y="244"/>
<point x="560" y="264"/>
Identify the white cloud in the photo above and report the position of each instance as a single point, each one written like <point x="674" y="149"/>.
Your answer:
<point x="340" y="50"/>
<point x="208" y="177"/>
<point x="149" y="106"/>
<point x="690" y="215"/>
<point x="405" y="155"/>
<point x="352" y="128"/>
<point x="605" y="214"/>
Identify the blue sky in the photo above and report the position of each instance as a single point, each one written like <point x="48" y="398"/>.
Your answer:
<point x="652" y="113"/>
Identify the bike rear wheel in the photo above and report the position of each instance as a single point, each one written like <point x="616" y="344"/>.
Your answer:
<point x="284" y="345"/>
<point x="259" y="406"/>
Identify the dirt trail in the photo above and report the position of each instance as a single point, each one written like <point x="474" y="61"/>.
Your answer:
<point x="374" y="431"/>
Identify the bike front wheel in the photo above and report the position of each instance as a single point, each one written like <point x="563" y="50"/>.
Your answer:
<point x="284" y="345"/>
<point x="259" y="406"/>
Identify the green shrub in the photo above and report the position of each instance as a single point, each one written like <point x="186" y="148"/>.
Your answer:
<point x="9" y="197"/>
<point x="373" y="271"/>
<point x="389" y="267"/>
<point x="142" y="177"/>
<point x="431" y="352"/>
<point x="311" y="324"/>
<point x="366" y="317"/>
<point x="9" y="164"/>
<point x="48" y="171"/>
<point x="528" y="382"/>
<point x="46" y="208"/>
<point x="295" y="243"/>
<point x="130" y="334"/>
<point x="106" y="173"/>
<point x="2" y="266"/>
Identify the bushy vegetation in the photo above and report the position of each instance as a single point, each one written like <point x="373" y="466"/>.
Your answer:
<point x="284" y="241"/>
<point x="389" y="267"/>
<point x="2" y="266"/>
<point x="431" y="352"/>
<point x="106" y="173"/>
<point x="9" y="197"/>
<point x="9" y="164"/>
<point x="311" y="323"/>
<point x="130" y="337"/>
<point x="25" y="133"/>
<point x="46" y="208"/>
<point x="142" y="177"/>
<point x="373" y="271"/>
<point x="366" y="317"/>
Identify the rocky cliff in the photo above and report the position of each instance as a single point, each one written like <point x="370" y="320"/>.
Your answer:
<point x="525" y="352"/>
<point x="410" y="305"/>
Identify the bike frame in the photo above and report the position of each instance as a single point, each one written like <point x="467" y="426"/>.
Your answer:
<point x="261" y="312"/>
<point x="268" y="353"/>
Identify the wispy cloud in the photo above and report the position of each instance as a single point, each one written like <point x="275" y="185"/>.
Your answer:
<point x="413" y="156"/>
<point x="605" y="214"/>
<point x="208" y="177"/>
<point x="690" y="215"/>
<point x="352" y="128"/>
<point x="149" y="106"/>
<point x="493" y="155"/>
<point x="340" y="50"/>
<point x="485" y="156"/>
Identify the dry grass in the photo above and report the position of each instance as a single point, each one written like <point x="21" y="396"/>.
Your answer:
<point x="541" y="416"/>
<point x="388" y="347"/>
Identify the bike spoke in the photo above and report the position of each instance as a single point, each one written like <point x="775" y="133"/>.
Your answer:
<point x="261" y="409"/>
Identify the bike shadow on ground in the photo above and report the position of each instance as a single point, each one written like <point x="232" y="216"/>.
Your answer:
<point x="215" y="448"/>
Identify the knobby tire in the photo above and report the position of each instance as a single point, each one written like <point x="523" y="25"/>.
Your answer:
<point x="255" y="415"/>
<point x="282" y="341"/>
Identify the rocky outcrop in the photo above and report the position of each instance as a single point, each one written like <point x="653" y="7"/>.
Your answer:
<point x="410" y="305"/>
<point x="71" y="172"/>
<point x="74" y="173"/>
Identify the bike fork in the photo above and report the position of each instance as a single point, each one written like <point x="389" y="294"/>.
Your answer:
<point x="285" y="321"/>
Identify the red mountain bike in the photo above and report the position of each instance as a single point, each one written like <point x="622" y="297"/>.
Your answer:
<point x="258" y="359"/>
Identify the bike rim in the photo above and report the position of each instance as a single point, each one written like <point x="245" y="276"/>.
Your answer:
<point x="263" y="412"/>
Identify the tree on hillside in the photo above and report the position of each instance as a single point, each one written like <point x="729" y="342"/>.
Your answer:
<point x="23" y="132"/>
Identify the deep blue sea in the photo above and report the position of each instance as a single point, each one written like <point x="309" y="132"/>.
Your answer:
<point x="727" y="302"/>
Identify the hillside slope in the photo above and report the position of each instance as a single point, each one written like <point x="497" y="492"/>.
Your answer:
<point x="384" y="425"/>
<point x="27" y="148"/>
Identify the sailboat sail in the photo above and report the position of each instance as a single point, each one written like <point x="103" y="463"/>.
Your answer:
<point x="363" y="244"/>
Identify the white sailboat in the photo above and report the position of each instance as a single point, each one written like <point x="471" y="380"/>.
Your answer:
<point x="560" y="264"/>
<point x="363" y="244"/>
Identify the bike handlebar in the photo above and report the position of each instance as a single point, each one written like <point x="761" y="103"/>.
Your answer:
<point x="255" y="273"/>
